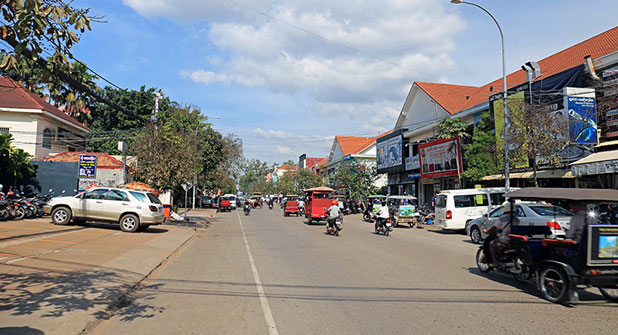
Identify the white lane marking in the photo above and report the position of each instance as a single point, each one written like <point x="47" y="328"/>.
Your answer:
<point x="268" y="315"/>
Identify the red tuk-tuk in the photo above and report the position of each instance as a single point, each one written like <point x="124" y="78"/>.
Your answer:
<point x="317" y="200"/>
<point x="291" y="206"/>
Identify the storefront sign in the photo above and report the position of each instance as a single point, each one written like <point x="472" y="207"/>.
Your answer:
<point x="440" y="158"/>
<point x="87" y="166"/>
<point x="582" y="119"/>
<point x="389" y="153"/>
<point x="412" y="163"/>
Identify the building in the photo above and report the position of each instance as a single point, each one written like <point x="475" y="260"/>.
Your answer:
<point x="591" y="63"/>
<point x="309" y="163"/>
<point x="359" y="149"/>
<point x="108" y="171"/>
<point x="38" y="127"/>
<point x="278" y="172"/>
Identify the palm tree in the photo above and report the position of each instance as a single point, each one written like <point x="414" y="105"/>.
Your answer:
<point x="19" y="165"/>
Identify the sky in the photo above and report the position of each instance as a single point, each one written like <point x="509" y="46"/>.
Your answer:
<point x="287" y="76"/>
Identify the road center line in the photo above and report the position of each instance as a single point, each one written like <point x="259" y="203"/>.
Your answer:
<point x="268" y="315"/>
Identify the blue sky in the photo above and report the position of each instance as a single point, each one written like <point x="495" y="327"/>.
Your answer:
<point x="343" y="69"/>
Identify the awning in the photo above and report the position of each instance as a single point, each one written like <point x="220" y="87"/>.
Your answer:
<point x="542" y="174"/>
<point x="597" y="163"/>
<point x="605" y="144"/>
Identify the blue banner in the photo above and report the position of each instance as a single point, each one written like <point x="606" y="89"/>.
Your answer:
<point x="582" y="119"/>
<point x="87" y="166"/>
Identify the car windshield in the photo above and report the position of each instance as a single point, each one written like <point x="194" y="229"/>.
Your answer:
<point x="153" y="198"/>
<point x="545" y="210"/>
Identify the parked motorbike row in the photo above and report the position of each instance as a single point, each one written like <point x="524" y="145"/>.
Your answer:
<point x="15" y="207"/>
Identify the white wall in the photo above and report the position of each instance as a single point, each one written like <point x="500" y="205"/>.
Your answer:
<point x="104" y="177"/>
<point x="23" y="127"/>
<point x="420" y="109"/>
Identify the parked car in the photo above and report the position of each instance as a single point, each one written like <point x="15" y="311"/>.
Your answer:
<point x="132" y="210"/>
<point x="455" y="209"/>
<point x="233" y="200"/>
<point x="207" y="201"/>
<point x="529" y="214"/>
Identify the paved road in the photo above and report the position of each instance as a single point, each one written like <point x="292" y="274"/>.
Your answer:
<point x="269" y="274"/>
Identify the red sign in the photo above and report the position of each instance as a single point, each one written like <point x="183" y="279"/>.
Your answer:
<point x="440" y="158"/>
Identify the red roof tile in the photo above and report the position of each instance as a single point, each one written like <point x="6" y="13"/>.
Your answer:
<point x="351" y="145"/>
<point x="311" y="162"/>
<point x="13" y="95"/>
<point x="287" y="167"/>
<point x="454" y="99"/>
<point x="104" y="160"/>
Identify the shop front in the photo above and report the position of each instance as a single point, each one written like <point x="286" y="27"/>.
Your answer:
<point x="440" y="167"/>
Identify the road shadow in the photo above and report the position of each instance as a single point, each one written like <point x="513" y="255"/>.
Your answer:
<point x="49" y="293"/>
<point x="314" y="223"/>
<point x="529" y="287"/>
<point x="25" y="330"/>
<point x="111" y="226"/>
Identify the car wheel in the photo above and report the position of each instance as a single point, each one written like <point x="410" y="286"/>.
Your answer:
<point x="475" y="235"/>
<point x="61" y="216"/>
<point x="554" y="284"/>
<point x="129" y="223"/>
<point x="611" y="294"/>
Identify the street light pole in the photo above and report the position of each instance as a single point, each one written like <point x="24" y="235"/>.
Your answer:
<point x="506" y="109"/>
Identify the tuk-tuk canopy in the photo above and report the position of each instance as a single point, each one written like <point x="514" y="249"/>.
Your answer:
<point x="404" y="197"/>
<point x="321" y="189"/>
<point x="376" y="196"/>
<point x="576" y="194"/>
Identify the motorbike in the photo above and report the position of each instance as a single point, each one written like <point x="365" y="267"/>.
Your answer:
<point x="382" y="225"/>
<point x="270" y="205"/>
<point x="246" y="209"/>
<point x="427" y="216"/>
<point x="334" y="226"/>
<point x="510" y="259"/>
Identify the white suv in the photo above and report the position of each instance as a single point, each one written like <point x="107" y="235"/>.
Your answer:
<point x="133" y="210"/>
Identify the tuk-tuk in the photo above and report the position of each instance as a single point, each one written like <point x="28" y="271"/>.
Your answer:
<point x="225" y="204"/>
<point x="341" y="200"/>
<point x="561" y="266"/>
<point x="318" y="200"/>
<point x="291" y="206"/>
<point x="402" y="209"/>
<point x="256" y="201"/>
<point x="374" y="204"/>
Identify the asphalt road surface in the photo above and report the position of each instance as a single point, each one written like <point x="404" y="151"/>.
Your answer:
<point x="269" y="274"/>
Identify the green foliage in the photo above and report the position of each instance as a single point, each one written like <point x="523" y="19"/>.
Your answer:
<point x="295" y="183"/>
<point x="109" y="126"/>
<point x="355" y="179"/>
<point x="479" y="156"/>
<point x="254" y="172"/>
<point x="448" y="128"/>
<point x="15" y="164"/>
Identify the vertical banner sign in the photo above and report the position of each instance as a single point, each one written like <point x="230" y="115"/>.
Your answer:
<point x="381" y="155"/>
<point x="87" y="166"/>
<point x="582" y="119"/>
<point x="394" y="151"/>
<point x="517" y="157"/>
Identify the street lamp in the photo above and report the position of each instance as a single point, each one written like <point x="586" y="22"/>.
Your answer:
<point x="506" y="110"/>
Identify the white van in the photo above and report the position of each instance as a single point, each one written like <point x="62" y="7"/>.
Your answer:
<point x="456" y="208"/>
<point x="233" y="200"/>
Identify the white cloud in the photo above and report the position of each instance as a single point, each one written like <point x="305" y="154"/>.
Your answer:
<point x="271" y="133"/>
<point x="205" y="77"/>
<point x="285" y="150"/>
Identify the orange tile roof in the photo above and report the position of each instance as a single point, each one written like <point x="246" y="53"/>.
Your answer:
<point x="13" y="95"/>
<point x="454" y="98"/>
<point x="351" y="145"/>
<point x="311" y="162"/>
<point x="287" y="167"/>
<point x="322" y="161"/>
<point x="104" y="161"/>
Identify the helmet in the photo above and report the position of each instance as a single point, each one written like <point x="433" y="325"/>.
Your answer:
<point x="508" y="207"/>
<point x="335" y="202"/>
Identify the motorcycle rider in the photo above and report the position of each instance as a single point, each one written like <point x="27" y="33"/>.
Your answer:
<point x="503" y="225"/>
<point x="270" y="202"/>
<point x="247" y="206"/>
<point x="333" y="213"/>
<point x="382" y="215"/>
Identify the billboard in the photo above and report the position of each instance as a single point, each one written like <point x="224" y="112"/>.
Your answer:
<point x="440" y="158"/>
<point x="516" y="104"/>
<point x="582" y="119"/>
<point x="87" y="166"/>
<point x="389" y="152"/>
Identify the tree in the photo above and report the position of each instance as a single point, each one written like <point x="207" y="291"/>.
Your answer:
<point x="448" y="128"/>
<point x="169" y="154"/>
<point x="108" y="126"/>
<point x="480" y="153"/>
<point x="356" y="179"/>
<point x="15" y="164"/>
<point x="253" y="172"/>
<point x="538" y="135"/>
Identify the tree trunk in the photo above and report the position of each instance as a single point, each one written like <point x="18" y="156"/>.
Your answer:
<point x="536" y="182"/>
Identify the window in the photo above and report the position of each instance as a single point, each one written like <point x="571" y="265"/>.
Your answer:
<point x="496" y="213"/>
<point x="47" y="138"/>
<point x="550" y="211"/>
<point x="153" y="198"/>
<point x="441" y="201"/>
<point x="99" y="193"/>
<point x="497" y="198"/>
<point x="470" y="200"/>
<point x="4" y="130"/>
<point x="139" y="196"/>
<point x="117" y="195"/>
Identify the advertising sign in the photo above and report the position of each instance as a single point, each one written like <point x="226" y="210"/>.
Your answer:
<point x="87" y="166"/>
<point x="412" y="163"/>
<point x="440" y="158"/>
<point x="394" y="151"/>
<point x="381" y="155"/>
<point x="582" y="119"/>
<point x="602" y="245"/>
<point x="517" y="158"/>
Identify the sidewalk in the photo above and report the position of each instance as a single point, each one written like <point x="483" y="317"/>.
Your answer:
<point x="64" y="282"/>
